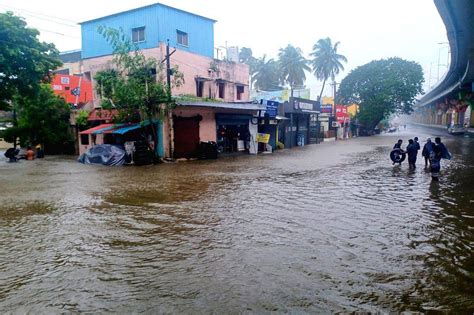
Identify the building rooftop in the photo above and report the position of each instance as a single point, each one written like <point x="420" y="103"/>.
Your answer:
<point x="144" y="7"/>
<point x="70" y="56"/>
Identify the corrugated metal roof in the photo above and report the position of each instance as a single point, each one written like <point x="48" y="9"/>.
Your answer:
<point x="98" y="128"/>
<point x="145" y="7"/>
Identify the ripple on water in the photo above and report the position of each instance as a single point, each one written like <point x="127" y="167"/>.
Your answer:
<point x="298" y="231"/>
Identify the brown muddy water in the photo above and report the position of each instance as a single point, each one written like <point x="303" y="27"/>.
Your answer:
<point x="325" y="228"/>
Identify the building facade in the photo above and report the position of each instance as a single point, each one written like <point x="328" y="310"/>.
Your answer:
<point x="204" y="77"/>
<point x="214" y="94"/>
<point x="148" y="26"/>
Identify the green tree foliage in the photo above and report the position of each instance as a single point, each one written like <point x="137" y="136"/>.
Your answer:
<point x="43" y="119"/>
<point x="267" y="74"/>
<point x="82" y="118"/>
<point x="292" y="66"/>
<point x="246" y="56"/>
<point x="326" y="62"/>
<point x="25" y="62"/>
<point x="135" y="84"/>
<point x="381" y="88"/>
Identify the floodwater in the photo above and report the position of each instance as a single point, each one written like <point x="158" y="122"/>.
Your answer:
<point x="325" y="228"/>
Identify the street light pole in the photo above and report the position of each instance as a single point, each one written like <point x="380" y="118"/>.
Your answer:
<point x="439" y="55"/>
<point x="429" y="79"/>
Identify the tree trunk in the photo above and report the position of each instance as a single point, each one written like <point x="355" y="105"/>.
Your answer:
<point x="15" y="124"/>
<point x="322" y="90"/>
<point x="154" y="136"/>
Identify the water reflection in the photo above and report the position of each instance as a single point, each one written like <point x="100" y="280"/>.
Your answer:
<point x="327" y="228"/>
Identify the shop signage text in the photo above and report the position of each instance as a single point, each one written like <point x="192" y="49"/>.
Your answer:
<point x="326" y="109"/>
<point x="271" y="108"/>
<point x="301" y="105"/>
<point x="263" y="137"/>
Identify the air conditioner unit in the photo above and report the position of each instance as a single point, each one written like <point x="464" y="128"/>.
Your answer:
<point x="335" y="124"/>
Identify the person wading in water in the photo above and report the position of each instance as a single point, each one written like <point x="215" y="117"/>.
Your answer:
<point x="427" y="149"/>
<point x="397" y="153"/>
<point x="439" y="152"/>
<point x="412" y="151"/>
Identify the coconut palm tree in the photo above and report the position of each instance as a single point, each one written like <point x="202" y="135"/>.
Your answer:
<point x="266" y="76"/>
<point x="292" y="66"/>
<point x="246" y="56"/>
<point x="326" y="62"/>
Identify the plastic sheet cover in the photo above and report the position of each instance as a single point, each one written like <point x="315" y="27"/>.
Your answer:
<point x="105" y="154"/>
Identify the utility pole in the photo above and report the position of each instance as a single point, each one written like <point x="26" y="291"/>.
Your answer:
<point x="429" y="79"/>
<point x="168" y="87"/>
<point x="334" y="86"/>
<point x="439" y="55"/>
<point x="168" y="69"/>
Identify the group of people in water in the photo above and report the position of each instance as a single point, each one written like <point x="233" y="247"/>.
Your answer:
<point x="13" y="154"/>
<point x="432" y="152"/>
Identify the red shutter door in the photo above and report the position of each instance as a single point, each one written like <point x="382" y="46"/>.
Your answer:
<point x="186" y="137"/>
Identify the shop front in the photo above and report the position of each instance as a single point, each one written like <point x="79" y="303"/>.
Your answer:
<point x="343" y="122"/>
<point x="303" y="125"/>
<point x="268" y="126"/>
<point x="233" y="132"/>
<point x="231" y="127"/>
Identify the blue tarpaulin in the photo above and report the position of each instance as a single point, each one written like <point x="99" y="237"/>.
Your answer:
<point x="103" y="130"/>
<point x="126" y="129"/>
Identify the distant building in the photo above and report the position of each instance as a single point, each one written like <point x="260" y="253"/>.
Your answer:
<point x="75" y="90"/>
<point x="233" y="54"/>
<point x="72" y="62"/>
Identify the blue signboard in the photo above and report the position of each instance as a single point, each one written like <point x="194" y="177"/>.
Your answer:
<point x="326" y="109"/>
<point x="272" y="108"/>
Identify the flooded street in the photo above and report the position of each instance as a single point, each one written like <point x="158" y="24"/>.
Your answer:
<point x="324" y="228"/>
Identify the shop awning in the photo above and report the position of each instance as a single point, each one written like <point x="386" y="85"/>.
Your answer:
<point x="232" y="119"/>
<point x="124" y="128"/>
<point x="95" y="129"/>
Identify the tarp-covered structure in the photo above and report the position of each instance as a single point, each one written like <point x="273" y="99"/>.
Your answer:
<point x="105" y="154"/>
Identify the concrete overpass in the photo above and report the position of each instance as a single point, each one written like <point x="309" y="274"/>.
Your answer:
<point x="452" y="97"/>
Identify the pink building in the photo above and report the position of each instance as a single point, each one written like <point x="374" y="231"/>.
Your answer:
<point x="204" y="77"/>
<point x="214" y="97"/>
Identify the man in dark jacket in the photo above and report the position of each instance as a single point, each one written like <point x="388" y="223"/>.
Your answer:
<point x="418" y="148"/>
<point x="427" y="149"/>
<point x="439" y="152"/>
<point x="412" y="151"/>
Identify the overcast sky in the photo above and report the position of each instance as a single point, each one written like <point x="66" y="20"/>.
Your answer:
<point x="367" y="29"/>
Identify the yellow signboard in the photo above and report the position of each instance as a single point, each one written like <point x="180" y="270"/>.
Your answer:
<point x="263" y="137"/>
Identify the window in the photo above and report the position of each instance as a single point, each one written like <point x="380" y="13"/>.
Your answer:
<point x="240" y="91"/>
<point x="85" y="139"/>
<point x="221" y="90"/>
<point x="138" y="34"/>
<point x="182" y="38"/>
<point x="199" y="88"/>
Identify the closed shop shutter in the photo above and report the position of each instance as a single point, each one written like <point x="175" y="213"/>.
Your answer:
<point x="186" y="137"/>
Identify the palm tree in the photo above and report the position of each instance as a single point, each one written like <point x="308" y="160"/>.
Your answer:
<point x="266" y="76"/>
<point x="292" y="66"/>
<point x="246" y="56"/>
<point x="326" y="62"/>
